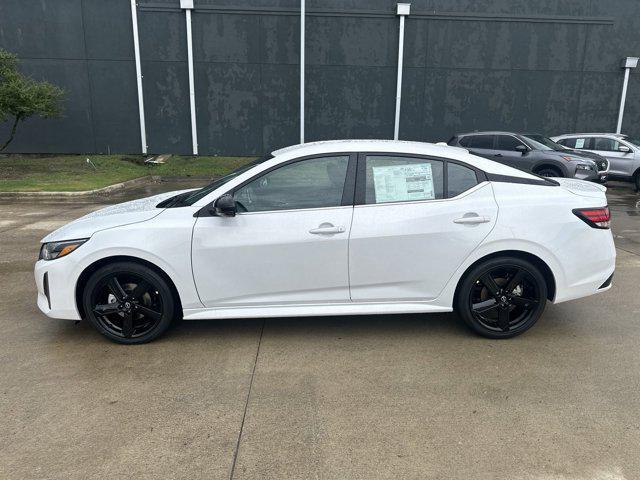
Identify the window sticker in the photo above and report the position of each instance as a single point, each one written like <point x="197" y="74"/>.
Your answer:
<point x="400" y="183"/>
<point x="580" y="142"/>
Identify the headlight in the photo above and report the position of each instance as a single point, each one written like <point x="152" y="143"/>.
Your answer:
<point x="582" y="166"/>
<point x="52" y="250"/>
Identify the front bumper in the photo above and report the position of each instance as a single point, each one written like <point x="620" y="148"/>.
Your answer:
<point x="56" y="284"/>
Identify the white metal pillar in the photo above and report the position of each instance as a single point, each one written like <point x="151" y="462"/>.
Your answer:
<point x="187" y="6"/>
<point x="302" y="28"/>
<point x="136" y="50"/>
<point x="627" y="63"/>
<point x="403" y="11"/>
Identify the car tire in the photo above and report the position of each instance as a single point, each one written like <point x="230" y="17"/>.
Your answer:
<point x="501" y="297"/>
<point x="636" y="181"/>
<point x="549" y="172"/>
<point x="128" y="303"/>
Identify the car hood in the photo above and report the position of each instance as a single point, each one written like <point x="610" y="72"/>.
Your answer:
<point x="117" y="215"/>
<point x="576" y="157"/>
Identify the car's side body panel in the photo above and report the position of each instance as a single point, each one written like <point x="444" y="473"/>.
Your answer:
<point x="164" y="241"/>
<point x="266" y="258"/>
<point x="408" y="251"/>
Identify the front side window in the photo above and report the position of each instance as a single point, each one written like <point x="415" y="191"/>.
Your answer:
<point x="507" y="142"/>
<point x="312" y="183"/>
<point x="459" y="179"/>
<point x="605" y="144"/>
<point x="391" y="178"/>
<point x="477" y="141"/>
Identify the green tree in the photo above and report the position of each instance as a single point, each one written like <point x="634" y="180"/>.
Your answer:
<point x="22" y="97"/>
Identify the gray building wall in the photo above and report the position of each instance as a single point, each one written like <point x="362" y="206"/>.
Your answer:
<point x="549" y="66"/>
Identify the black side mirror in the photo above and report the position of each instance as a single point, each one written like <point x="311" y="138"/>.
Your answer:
<point x="522" y="149"/>
<point x="225" y="206"/>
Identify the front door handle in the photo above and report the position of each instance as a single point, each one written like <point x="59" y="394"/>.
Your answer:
<point x="472" y="219"/>
<point x="326" y="229"/>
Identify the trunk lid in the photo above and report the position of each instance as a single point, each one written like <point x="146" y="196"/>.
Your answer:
<point x="582" y="188"/>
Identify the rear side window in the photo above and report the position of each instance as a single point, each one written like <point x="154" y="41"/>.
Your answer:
<point x="507" y="142"/>
<point x="477" y="141"/>
<point x="402" y="179"/>
<point x="459" y="179"/>
<point x="578" y="143"/>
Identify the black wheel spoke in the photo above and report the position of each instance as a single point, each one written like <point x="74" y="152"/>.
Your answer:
<point x="503" y="319"/>
<point x="127" y="325"/>
<point x="490" y="283"/>
<point x="141" y="289"/>
<point x="105" y="309"/>
<point x="484" y="307"/>
<point x="116" y="289"/>
<point x="147" y="312"/>
<point x="515" y="281"/>
<point x="523" y="302"/>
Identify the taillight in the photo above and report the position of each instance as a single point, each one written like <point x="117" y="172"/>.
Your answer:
<point x="594" y="217"/>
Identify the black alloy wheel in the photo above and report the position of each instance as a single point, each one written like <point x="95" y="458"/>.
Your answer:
<point x="502" y="298"/>
<point x="128" y="303"/>
<point x="549" y="172"/>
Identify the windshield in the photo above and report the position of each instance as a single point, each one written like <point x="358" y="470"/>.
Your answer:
<point x="540" y="142"/>
<point x="635" y="141"/>
<point x="191" y="197"/>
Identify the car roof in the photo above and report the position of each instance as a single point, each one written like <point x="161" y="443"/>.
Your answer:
<point x="368" y="145"/>
<point x="617" y="135"/>
<point x="488" y="132"/>
<point x="397" y="146"/>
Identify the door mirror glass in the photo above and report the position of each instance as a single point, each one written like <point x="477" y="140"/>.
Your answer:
<point x="521" y="148"/>
<point x="623" y="149"/>
<point x="225" y="206"/>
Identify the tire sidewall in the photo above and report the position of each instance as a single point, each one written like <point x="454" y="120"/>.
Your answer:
<point x="462" y="298"/>
<point x="168" y="303"/>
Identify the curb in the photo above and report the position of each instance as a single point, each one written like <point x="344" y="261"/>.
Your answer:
<point x="86" y="193"/>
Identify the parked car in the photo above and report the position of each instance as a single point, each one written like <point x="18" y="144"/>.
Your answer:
<point x="335" y="228"/>
<point x="601" y="162"/>
<point x="622" y="151"/>
<point x="529" y="155"/>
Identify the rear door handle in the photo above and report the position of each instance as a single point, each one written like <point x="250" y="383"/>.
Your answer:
<point x="472" y="220"/>
<point x="497" y="155"/>
<point x="326" y="229"/>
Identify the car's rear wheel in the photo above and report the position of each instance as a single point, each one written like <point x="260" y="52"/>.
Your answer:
<point x="502" y="297"/>
<point x="549" y="172"/>
<point x="128" y="303"/>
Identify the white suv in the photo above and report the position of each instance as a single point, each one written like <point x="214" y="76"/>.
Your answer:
<point x="622" y="151"/>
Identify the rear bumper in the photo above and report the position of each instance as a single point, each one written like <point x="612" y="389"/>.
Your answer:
<point x="589" y="266"/>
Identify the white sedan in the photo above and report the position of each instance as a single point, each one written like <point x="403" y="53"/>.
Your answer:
<point x="335" y="228"/>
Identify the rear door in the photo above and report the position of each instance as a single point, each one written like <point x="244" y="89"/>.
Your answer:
<point x="415" y="221"/>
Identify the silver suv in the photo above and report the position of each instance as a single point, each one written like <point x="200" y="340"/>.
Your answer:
<point x="623" y="152"/>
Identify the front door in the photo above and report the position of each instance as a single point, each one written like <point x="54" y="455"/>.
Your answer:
<point x="410" y="232"/>
<point x="620" y="163"/>
<point x="288" y="243"/>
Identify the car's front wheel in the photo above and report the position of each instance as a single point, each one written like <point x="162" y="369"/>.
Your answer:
<point x="128" y="302"/>
<point x="549" y="172"/>
<point x="502" y="297"/>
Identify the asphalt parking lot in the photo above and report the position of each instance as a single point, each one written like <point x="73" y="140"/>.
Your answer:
<point x="401" y="396"/>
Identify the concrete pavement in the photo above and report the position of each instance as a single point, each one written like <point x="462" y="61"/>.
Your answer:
<point x="400" y="396"/>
